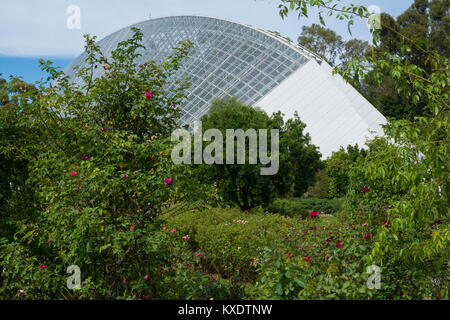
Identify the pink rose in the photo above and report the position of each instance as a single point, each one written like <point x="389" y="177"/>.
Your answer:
<point x="313" y="214"/>
<point x="149" y="95"/>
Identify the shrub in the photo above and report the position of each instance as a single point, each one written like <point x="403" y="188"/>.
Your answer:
<point x="302" y="207"/>
<point x="325" y="259"/>
<point x="319" y="259"/>
<point x="102" y="173"/>
<point x="321" y="188"/>
<point x="243" y="184"/>
<point x="166" y="270"/>
<point x="228" y="239"/>
<point x="18" y="141"/>
<point x="24" y="276"/>
<point x="337" y="167"/>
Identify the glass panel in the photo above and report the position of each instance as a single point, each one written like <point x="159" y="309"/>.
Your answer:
<point x="227" y="59"/>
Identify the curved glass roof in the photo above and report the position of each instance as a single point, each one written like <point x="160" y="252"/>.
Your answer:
<point x="228" y="58"/>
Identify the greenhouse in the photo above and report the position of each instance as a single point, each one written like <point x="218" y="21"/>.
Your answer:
<point x="261" y="69"/>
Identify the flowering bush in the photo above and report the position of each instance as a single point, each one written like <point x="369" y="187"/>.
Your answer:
<point x="85" y="175"/>
<point x="402" y="193"/>
<point x="303" y="207"/>
<point x="103" y="173"/>
<point x="337" y="167"/>
<point x="314" y="214"/>
<point x="229" y="240"/>
<point x="320" y="258"/>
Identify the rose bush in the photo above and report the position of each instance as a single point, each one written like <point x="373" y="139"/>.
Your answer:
<point x="102" y="173"/>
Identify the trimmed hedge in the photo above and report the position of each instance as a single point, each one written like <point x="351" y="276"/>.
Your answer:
<point x="230" y="241"/>
<point x="302" y="207"/>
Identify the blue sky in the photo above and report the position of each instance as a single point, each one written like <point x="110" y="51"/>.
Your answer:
<point x="32" y="29"/>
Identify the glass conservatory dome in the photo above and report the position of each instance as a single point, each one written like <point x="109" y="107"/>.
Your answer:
<point x="261" y="69"/>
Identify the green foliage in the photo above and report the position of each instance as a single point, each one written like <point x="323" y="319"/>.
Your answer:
<point x="12" y="91"/>
<point x="238" y="184"/>
<point x="352" y="48"/>
<point x="401" y="187"/>
<point x="413" y="36"/>
<point x="407" y="169"/>
<point x="301" y="158"/>
<point x="18" y="145"/>
<point x="319" y="259"/>
<point x="228" y="239"/>
<point x="244" y="185"/>
<point x="302" y="207"/>
<point x="21" y="271"/>
<point x="280" y="278"/>
<point x="100" y="171"/>
<point x="84" y="174"/>
<point x="337" y="167"/>
<point x="325" y="259"/>
<point x="408" y="184"/>
<point x="330" y="46"/>
<point x="324" y="42"/>
<point x="314" y="258"/>
<point x="321" y="188"/>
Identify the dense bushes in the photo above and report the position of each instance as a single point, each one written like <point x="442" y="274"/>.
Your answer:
<point x="228" y="240"/>
<point x="101" y="172"/>
<point x="245" y="184"/>
<point x="279" y="257"/>
<point x="337" y="167"/>
<point x="302" y="207"/>
<point x="275" y="257"/>
<point x="321" y="188"/>
<point x="325" y="259"/>
<point x="94" y="182"/>
<point x="319" y="259"/>
<point x="18" y="141"/>
<point x="166" y="269"/>
<point x="403" y="180"/>
<point x="403" y="190"/>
